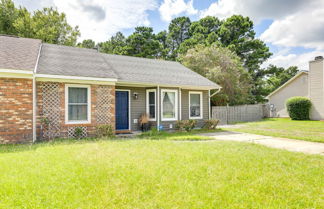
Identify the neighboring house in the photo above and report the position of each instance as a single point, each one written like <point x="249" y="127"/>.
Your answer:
<point x="307" y="84"/>
<point x="74" y="87"/>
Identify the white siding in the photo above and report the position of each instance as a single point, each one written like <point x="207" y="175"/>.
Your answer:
<point x="298" y="87"/>
<point x="316" y="88"/>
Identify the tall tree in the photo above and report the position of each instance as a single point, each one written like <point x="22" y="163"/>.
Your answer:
<point x="47" y="24"/>
<point x="87" y="43"/>
<point x="143" y="43"/>
<point x="8" y="15"/>
<point x="237" y="34"/>
<point x="178" y="32"/>
<point x="224" y="67"/>
<point x="115" y="45"/>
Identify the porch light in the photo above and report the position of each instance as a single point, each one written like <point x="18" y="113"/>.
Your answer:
<point x="135" y="95"/>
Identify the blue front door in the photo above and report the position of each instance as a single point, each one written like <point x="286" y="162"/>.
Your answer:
<point x="122" y="110"/>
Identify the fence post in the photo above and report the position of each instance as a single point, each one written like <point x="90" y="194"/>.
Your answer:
<point x="227" y="109"/>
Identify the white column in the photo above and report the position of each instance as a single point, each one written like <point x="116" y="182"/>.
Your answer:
<point x="180" y="105"/>
<point x="158" y="109"/>
<point x="209" y="106"/>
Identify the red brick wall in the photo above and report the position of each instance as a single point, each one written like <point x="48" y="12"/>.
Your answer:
<point x="16" y="110"/>
<point x="60" y="127"/>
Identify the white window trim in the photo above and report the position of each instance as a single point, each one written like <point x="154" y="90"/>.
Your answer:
<point x="201" y="104"/>
<point x="176" y="105"/>
<point x="67" y="104"/>
<point x="147" y="103"/>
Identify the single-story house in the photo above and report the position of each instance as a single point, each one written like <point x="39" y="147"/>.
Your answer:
<point x="67" y="87"/>
<point x="305" y="83"/>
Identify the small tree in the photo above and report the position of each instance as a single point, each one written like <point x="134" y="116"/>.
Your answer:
<point x="298" y="108"/>
<point x="225" y="68"/>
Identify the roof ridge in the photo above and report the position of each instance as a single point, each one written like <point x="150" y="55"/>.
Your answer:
<point x="73" y="47"/>
<point x="152" y="59"/>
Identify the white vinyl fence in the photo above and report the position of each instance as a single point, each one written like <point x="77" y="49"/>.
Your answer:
<point x="240" y="113"/>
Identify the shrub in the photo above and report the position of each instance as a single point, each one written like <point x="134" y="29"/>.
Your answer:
<point x="78" y="132"/>
<point x="189" y="125"/>
<point x="186" y="125"/>
<point x="179" y="125"/>
<point x="211" y="124"/>
<point x="298" y="108"/>
<point x="105" y="131"/>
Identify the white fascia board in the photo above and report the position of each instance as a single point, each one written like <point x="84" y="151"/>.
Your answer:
<point x="138" y="84"/>
<point x="16" y="71"/>
<point x="75" y="77"/>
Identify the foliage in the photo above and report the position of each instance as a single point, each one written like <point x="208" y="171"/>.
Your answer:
<point x="142" y="43"/>
<point x="47" y="24"/>
<point x="298" y="108"/>
<point x="78" y="132"/>
<point x="277" y="76"/>
<point x="284" y="128"/>
<point x="222" y="66"/>
<point x="104" y="131"/>
<point x="211" y="124"/>
<point x="185" y="125"/>
<point x="88" y="43"/>
<point x="115" y="45"/>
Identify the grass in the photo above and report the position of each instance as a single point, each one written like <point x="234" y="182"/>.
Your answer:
<point x="158" y="174"/>
<point x="286" y="128"/>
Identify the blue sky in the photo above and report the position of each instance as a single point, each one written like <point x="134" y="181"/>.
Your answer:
<point x="292" y="28"/>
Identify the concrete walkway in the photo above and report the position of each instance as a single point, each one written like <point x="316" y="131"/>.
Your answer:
<point x="280" y="143"/>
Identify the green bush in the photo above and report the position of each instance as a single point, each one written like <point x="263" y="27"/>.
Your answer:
<point x="105" y="131"/>
<point x="298" y="108"/>
<point x="185" y="125"/>
<point x="78" y="132"/>
<point x="211" y="124"/>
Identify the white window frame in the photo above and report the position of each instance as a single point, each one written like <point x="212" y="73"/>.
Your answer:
<point x="176" y="105"/>
<point x="148" y="91"/>
<point x="201" y="104"/>
<point x="67" y="121"/>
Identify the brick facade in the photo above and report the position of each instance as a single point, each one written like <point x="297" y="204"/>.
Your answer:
<point x="51" y="105"/>
<point x="16" y="110"/>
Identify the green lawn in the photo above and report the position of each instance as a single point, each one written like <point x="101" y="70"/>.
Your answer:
<point x="158" y="174"/>
<point x="284" y="127"/>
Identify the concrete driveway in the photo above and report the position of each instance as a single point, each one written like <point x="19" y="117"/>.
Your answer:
<point x="269" y="141"/>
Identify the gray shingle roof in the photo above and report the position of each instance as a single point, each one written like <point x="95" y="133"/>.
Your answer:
<point x="143" y="70"/>
<point x="18" y="53"/>
<point x="73" y="61"/>
<point x="21" y="53"/>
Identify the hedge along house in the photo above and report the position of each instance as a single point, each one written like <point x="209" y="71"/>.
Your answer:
<point x="48" y="90"/>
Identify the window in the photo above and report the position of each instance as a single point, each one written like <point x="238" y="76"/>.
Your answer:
<point x="195" y="105"/>
<point x="151" y="103"/>
<point x="169" y="107"/>
<point x="77" y="107"/>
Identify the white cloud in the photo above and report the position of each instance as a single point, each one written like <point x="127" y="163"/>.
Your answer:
<point x="296" y="23"/>
<point x="99" y="19"/>
<point x="302" y="29"/>
<point x="172" y="8"/>
<point x="283" y="59"/>
<point x="255" y="9"/>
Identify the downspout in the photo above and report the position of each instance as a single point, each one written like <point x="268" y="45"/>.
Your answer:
<point x="34" y="94"/>
<point x="158" y="109"/>
<point x="210" y="96"/>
